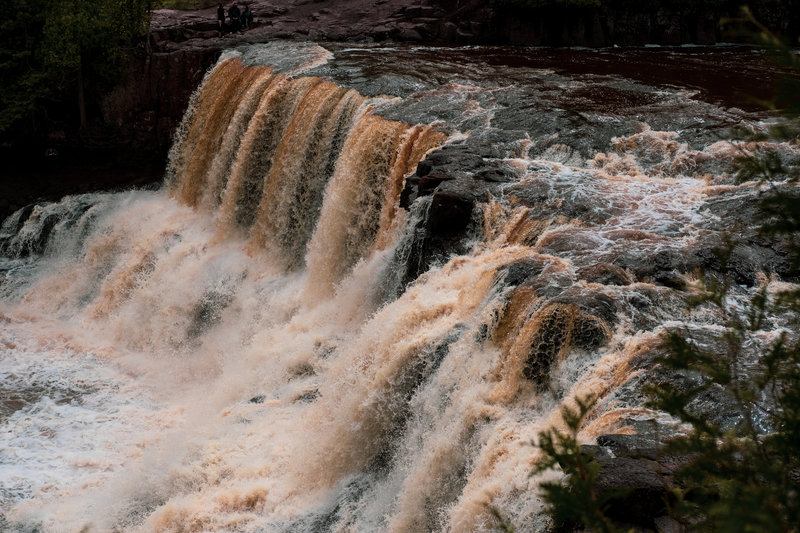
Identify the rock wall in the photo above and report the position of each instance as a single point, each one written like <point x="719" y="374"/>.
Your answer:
<point x="130" y="132"/>
<point x="149" y="103"/>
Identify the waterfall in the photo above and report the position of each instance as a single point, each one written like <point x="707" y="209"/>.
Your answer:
<point x="261" y="149"/>
<point x="273" y="342"/>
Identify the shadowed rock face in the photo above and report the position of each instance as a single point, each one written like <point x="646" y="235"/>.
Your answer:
<point x="147" y="107"/>
<point x="646" y="484"/>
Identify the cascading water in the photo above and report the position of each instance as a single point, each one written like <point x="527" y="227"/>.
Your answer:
<point x="272" y="343"/>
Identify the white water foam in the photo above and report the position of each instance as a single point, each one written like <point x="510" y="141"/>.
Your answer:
<point x="178" y="378"/>
<point x="80" y="419"/>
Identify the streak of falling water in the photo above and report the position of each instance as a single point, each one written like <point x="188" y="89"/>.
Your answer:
<point x="303" y="164"/>
<point x="215" y="107"/>
<point x="368" y="176"/>
<point x="242" y="351"/>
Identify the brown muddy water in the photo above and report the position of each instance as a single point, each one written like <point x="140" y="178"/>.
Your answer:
<point x="281" y="338"/>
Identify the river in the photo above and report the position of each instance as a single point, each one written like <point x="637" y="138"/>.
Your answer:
<point x="307" y="329"/>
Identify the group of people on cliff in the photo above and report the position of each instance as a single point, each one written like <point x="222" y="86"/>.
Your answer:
<point x="239" y="20"/>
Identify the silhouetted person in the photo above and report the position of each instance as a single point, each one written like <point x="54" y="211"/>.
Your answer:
<point x="247" y="17"/>
<point x="220" y="20"/>
<point x="234" y="14"/>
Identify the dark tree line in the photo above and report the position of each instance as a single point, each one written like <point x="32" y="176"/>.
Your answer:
<point x="55" y="54"/>
<point x="781" y="16"/>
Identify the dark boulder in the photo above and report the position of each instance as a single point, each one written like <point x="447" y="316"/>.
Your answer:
<point x="744" y="262"/>
<point x="644" y="484"/>
<point x="666" y="267"/>
<point x="455" y="158"/>
<point x="495" y="173"/>
<point x="605" y="274"/>
<point x="515" y="274"/>
<point x="635" y="445"/>
<point x="446" y="229"/>
<point x="450" y="211"/>
<point x="749" y="252"/>
<point x="447" y="163"/>
<point x="428" y="183"/>
<point x="456" y="179"/>
<point x="550" y="334"/>
<point x="639" y="477"/>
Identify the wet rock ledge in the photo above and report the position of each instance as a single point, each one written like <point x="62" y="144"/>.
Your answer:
<point x="147" y="106"/>
<point x="135" y="121"/>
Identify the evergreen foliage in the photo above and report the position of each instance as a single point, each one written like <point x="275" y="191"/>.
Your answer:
<point x="23" y="82"/>
<point x="577" y="502"/>
<point x="742" y="478"/>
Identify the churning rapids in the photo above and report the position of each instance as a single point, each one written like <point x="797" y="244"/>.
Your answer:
<point x="371" y="276"/>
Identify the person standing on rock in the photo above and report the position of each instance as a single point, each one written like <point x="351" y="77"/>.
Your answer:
<point x="220" y="20"/>
<point x="247" y="17"/>
<point x="234" y="14"/>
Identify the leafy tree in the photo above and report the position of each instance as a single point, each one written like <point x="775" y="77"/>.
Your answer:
<point x="50" y="50"/>
<point x="22" y="79"/>
<point x="88" y="37"/>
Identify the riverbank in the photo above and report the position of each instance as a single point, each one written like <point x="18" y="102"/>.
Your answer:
<point x="133" y="123"/>
<point x="470" y="22"/>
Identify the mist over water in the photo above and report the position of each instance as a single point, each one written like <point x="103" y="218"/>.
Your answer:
<point x="250" y="348"/>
